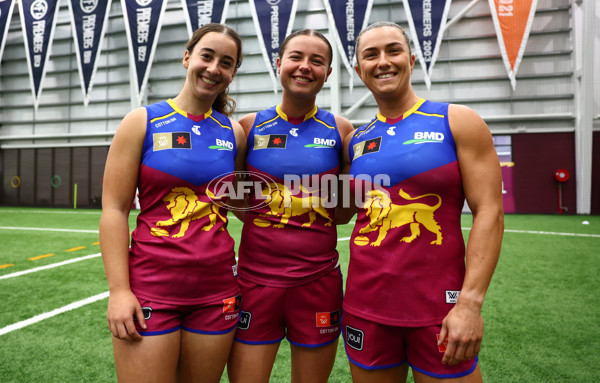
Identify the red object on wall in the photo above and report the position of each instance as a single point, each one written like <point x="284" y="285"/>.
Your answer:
<point x="561" y="175"/>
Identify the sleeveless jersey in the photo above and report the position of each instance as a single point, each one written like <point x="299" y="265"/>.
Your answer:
<point x="289" y="238"/>
<point x="181" y="252"/>
<point x="407" y="253"/>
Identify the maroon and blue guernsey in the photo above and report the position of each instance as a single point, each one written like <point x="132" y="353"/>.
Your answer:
<point x="289" y="238"/>
<point x="181" y="252"/>
<point x="407" y="253"/>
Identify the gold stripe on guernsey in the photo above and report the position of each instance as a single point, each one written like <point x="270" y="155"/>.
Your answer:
<point x="176" y="109"/>
<point x="222" y="126"/>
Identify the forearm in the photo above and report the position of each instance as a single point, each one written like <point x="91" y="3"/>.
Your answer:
<point x="482" y="253"/>
<point x="114" y="245"/>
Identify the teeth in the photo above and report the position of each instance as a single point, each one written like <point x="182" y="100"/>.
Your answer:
<point x="301" y="79"/>
<point x="388" y="75"/>
<point x="208" y="81"/>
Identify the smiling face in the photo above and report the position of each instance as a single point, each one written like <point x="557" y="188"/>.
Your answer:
<point x="304" y="65"/>
<point x="211" y="65"/>
<point x="384" y="61"/>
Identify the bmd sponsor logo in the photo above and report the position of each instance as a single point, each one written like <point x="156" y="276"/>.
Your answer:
<point x="426" y="137"/>
<point x="321" y="143"/>
<point x="222" y="145"/>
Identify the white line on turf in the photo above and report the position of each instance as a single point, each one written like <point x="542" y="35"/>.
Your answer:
<point x="546" y="233"/>
<point x="50" y="266"/>
<point x="47" y="229"/>
<point x="50" y="314"/>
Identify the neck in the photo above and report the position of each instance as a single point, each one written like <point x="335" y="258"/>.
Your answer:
<point x="295" y="107"/>
<point x="192" y="105"/>
<point x="396" y="106"/>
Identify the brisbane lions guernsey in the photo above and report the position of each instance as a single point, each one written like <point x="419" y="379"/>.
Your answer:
<point x="181" y="252"/>
<point x="289" y="238"/>
<point x="407" y="250"/>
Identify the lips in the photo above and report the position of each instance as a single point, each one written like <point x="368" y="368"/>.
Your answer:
<point x="208" y="81"/>
<point x="302" y="79"/>
<point x="384" y="76"/>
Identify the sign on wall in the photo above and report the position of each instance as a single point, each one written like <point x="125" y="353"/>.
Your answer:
<point x="273" y="20"/>
<point x="427" y="21"/>
<point x="202" y="12"/>
<point x="348" y="18"/>
<point x="88" y="19"/>
<point x="143" y="19"/>
<point x="513" y="20"/>
<point x="38" y="21"/>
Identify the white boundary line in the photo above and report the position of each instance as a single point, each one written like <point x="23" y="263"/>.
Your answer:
<point x="50" y="314"/>
<point x="546" y="233"/>
<point x="48" y="229"/>
<point x="50" y="266"/>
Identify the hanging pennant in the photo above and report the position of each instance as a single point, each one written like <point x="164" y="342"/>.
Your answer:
<point x="202" y="12"/>
<point x="38" y="21"/>
<point x="427" y="21"/>
<point x="88" y="19"/>
<point x="143" y="19"/>
<point x="273" y="20"/>
<point x="512" y="21"/>
<point x="6" y="8"/>
<point x="348" y="18"/>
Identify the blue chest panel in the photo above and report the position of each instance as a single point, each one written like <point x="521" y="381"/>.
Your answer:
<point x="419" y="142"/>
<point x="194" y="151"/>
<point x="278" y="147"/>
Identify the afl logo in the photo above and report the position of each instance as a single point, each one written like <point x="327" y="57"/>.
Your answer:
<point x="88" y="6"/>
<point x="143" y="3"/>
<point x="273" y="2"/>
<point x="38" y="9"/>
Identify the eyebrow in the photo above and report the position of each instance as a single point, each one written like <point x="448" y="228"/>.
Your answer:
<point x="213" y="52"/>
<point x="387" y="46"/>
<point x="302" y="53"/>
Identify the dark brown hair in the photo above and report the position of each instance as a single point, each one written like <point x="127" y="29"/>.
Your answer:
<point x="223" y="103"/>
<point x="305" y="32"/>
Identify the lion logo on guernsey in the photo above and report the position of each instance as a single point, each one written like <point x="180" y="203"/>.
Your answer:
<point x="185" y="207"/>
<point x="384" y="216"/>
<point x="284" y="206"/>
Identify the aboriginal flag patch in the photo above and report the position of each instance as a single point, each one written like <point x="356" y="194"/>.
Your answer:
<point x="366" y="147"/>
<point x="271" y="141"/>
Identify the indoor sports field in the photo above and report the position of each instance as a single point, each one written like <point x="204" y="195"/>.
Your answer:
<point x="542" y="311"/>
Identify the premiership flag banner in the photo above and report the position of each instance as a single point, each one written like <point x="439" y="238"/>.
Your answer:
<point x="89" y="19"/>
<point x="6" y="8"/>
<point x="38" y="20"/>
<point x="273" y="20"/>
<point x="427" y="21"/>
<point x="348" y="18"/>
<point x="202" y="12"/>
<point x="143" y="19"/>
<point x="513" y="20"/>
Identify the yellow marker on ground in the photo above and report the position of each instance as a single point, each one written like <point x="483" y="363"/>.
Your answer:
<point x="96" y="243"/>
<point x="5" y="266"/>
<point x="75" y="248"/>
<point x="41" y="256"/>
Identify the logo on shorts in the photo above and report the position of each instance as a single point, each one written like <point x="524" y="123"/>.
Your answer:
<point x="355" y="338"/>
<point x="442" y="347"/>
<point x="328" y="319"/>
<point x="244" y="323"/>
<point x="147" y="311"/>
<point x="232" y="304"/>
<point x="452" y="296"/>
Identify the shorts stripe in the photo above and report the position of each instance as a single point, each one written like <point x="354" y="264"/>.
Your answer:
<point x="315" y="345"/>
<point x="210" y="332"/>
<point x="259" y="342"/>
<point x="449" y="376"/>
<point x="162" y="332"/>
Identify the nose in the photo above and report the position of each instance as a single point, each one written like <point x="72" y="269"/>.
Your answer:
<point x="212" y="67"/>
<point x="304" y="66"/>
<point x="383" y="60"/>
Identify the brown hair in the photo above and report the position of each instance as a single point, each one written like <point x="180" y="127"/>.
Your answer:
<point x="381" y="24"/>
<point x="223" y="103"/>
<point x="306" y="32"/>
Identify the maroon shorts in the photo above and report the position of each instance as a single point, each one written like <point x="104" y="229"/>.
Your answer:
<point x="218" y="317"/>
<point x="372" y="346"/>
<point x="308" y="315"/>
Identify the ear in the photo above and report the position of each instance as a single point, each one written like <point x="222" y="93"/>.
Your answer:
<point x="186" y="59"/>
<point x="412" y="63"/>
<point x="278" y="65"/>
<point x="328" y="73"/>
<point x="357" y="69"/>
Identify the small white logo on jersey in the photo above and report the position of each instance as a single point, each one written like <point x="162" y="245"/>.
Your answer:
<point x="196" y="129"/>
<point x="452" y="296"/>
<point x="294" y="132"/>
<point x="234" y="267"/>
<point x="390" y="131"/>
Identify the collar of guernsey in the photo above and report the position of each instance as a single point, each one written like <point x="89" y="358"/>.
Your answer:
<point x="194" y="151"/>
<point x="420" y="136"/>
